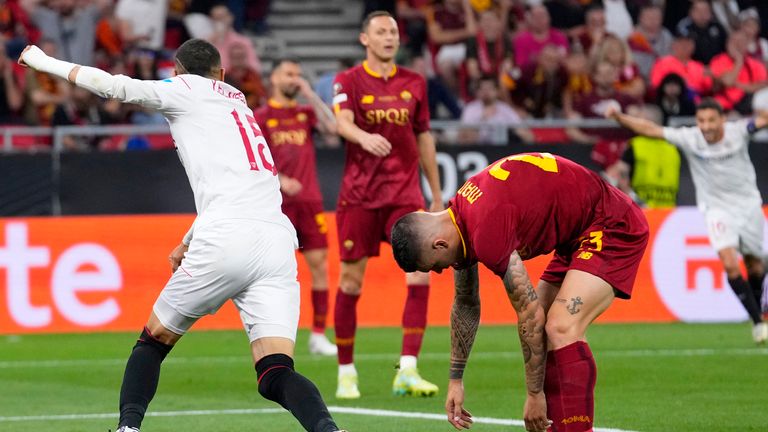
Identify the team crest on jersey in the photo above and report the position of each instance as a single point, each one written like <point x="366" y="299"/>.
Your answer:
<point x="302" y="117"/>
<point x="367" y="99"/>
<point x="348" y="244"/>
<point x="272" y="122"/>
<point x="406" y="95"/>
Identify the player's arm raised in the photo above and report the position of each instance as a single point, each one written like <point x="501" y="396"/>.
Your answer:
<point x="428" y="162"/>
<point x="637" y="125"/>
<point x="533" y="341"/>
<point x="374" y="144"/>
<point x="95" y="80"/>
<point x="325" y="118"/>
<point x="465" y="319"/>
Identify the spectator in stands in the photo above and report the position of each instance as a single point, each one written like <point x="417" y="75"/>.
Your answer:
<point x="175" y="30"/>
<point x="493" y="115"/>
<point x="438" y="94"/>
<point x="538" y="34"/>
<point x="679" y="62"/>
<point x="594" y="105"/>
<point x="617" y="19"/>
<point x="324" y="84"/>
<point x="242" y="76"/>
<point x="11" y="95"/>
<point x="594" y="30"/>
<point x="614" y="51"/>
<point x="83" y="108"/>
<point x="749" y="23"/>
<point x="674" y="99"/>
<point x="43" y="92"/>
<point x="737" y="75"/>
<point x="109" y="43"/>
<point x="197" y="18"/>
<point x="224" y="37"/>
<point x="567" y="15"/>
<point x="142" y="23"/>
<point x="412" y="23"/>
<point x="579" y="81"/>
<point x="16" y="27"/>
<point x="650" y="40"/>
<point x="71" y="26"/>
<point x="708" y="34"/>
<point x="450" y="23"/>
<point x="539" y="91"/>
<point x="726" y="12"/>
<point x="490" y="51"/>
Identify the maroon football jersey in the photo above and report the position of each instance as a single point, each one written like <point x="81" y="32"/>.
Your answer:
<point x="533" y="203"/>
<point x="396" y="108"/>
<point x="288" y="131"/>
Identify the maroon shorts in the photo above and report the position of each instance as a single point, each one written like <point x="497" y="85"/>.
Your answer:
<point x="610" y="249"/>
<point x="362" y="230"/>
<point x="309" y="220"/>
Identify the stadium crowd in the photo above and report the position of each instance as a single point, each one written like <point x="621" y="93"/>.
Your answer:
<point x="497" y="62"/>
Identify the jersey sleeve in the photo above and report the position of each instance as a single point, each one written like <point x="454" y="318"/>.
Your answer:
<point x="493" y="242"/>
<point x="342" y="93"/>
<point x="421" y="119"/>
<point x="677" y="136"/>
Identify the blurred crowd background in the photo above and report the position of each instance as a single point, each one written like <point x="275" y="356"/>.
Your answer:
<point x="500" y="62"/>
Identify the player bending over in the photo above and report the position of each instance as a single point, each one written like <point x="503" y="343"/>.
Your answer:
<point x="726" y="191"/>
<point x="241" y="246"/>
<point x="521" y="207"/>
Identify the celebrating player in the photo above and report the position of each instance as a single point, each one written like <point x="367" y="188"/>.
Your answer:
<point x="383" y="115"/>
<point x="241" y="246"/>
<point x="521" y="207"/>
<point x="288" y="128"/>
<point x="726" y="191"/>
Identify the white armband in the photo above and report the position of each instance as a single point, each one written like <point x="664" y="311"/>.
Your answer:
<point x="35" y="58"/>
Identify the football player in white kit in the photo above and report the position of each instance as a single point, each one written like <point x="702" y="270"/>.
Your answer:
<point x="726" y="191"/>
<point x="241" y="246"/>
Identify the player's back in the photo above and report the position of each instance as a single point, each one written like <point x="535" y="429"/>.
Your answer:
<point x="533" y="203"/>
<point x="229" y="166"/>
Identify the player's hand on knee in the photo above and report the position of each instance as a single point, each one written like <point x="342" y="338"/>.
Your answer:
<point x="376" y="145"/>
<point x="535" y="413"/>
<point x="459" y="417"/>
<point x="177" y="255"/>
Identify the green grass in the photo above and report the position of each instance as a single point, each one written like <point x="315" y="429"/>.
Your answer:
<point x="671" y="377"/>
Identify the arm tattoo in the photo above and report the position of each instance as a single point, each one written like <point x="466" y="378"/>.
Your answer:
<point x="530" y="322"/>
<point x="465" y="318"/>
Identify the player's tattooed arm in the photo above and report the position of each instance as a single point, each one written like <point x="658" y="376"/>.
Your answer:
<point x="465" y="318"/>
<point x="530" y="322"/>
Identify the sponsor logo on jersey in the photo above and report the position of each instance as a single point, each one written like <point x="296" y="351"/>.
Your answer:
<point x="367" y="99"/>
<point x="293" y="136"/>
<point x="399" y="117"/>
<point x="272" y="123"/>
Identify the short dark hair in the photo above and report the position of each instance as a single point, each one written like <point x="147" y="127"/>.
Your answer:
<point x="198" y="57"/>
<point x="285" y="59"/>
<point x="371" y="16"/>
<point x="710" y="103"/>
<point x="405" y="239"/>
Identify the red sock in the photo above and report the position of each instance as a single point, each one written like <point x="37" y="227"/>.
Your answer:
<point x="569" y="385"/>
<point x="345" y="320"/>
<point x="414" y="319"/>
<point x="320" y="309"/>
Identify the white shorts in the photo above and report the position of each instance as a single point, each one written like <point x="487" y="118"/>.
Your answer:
<point x="251" y="262"/>
<point x="743" y="232"/>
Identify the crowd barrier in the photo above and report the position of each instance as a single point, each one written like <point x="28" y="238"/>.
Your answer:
<point x="102" y="273"/>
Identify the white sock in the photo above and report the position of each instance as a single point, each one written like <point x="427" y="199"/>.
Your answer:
<point x="407" y="362"/>
<point x="317" y="334"/>
<point x="345" y="369"/>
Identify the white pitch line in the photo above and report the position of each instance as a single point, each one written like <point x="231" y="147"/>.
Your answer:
<point x="703" y="352"/>
<point x="334" y="409"/>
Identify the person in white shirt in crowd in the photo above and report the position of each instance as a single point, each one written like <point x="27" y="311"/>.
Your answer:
<point x="493" y="116"/>
<point x="241" y="246"/>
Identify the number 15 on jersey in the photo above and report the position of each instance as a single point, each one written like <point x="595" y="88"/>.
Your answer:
<point x="261" y="147"/>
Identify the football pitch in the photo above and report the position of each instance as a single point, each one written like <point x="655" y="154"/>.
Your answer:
<point x="660" y="377"/>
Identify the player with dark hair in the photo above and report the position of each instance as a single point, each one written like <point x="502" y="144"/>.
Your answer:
<point x="382" y="113"/>
<point x="288" y="128"/>
<point x="726" y="192"/>
<point x="518" y="208"/>
<point x="240" y="247"/>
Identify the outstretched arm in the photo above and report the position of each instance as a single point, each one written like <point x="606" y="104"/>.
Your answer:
<point x="530" y="328"/>
<point x="465" y="319"/>
<point x="95" y="80"/>
<point x="637" y="125"/>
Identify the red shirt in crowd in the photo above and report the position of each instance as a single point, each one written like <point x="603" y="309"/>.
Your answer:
<point x="752" y="71"/>
<point x="395" y="107"/>
<point x="692" y="72"/>
<point x="288" y="131"/>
